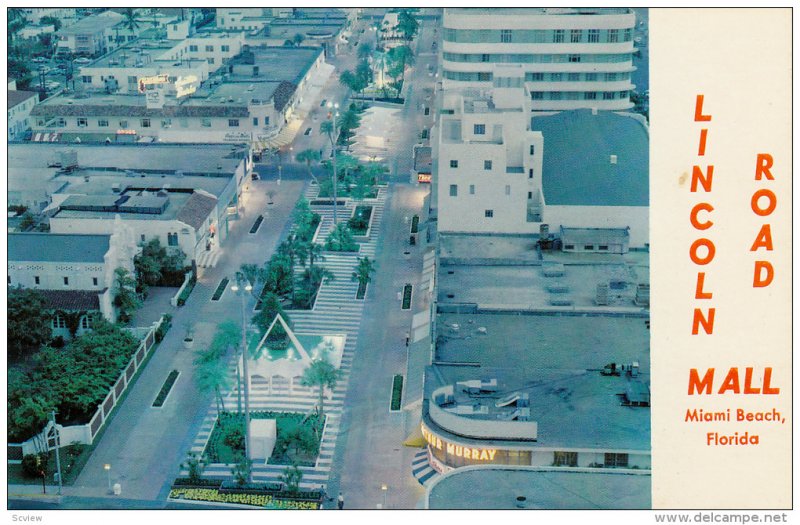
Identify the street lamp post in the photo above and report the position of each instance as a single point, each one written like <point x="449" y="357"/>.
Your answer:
<point x="107" y="468"/>
<point x="334" y="107"/>
<point x="242" y="291"/>
<point x="385" y="490"/>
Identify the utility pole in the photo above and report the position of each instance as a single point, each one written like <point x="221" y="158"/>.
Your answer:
<point x="58" y="449"/>
<point x="334" y="139"/>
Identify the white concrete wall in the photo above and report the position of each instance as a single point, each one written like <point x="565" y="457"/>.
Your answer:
<point x="19" y="120"/>
<point x="636" y="217"/>
<point x="51" y="275"/>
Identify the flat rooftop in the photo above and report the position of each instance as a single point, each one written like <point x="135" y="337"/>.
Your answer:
<point x="541" y="341"/>
<point x="278" y="62"/>
<point x="536" y="11"/>
<point x="57" y="247"/>
<point x="496" y="488"/>
<point x="577" y="165"/>
<point x="175" y="204"/>
<point x="155" y="158"/>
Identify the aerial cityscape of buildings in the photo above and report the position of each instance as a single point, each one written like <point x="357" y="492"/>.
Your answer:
<point x="301" y="258"/>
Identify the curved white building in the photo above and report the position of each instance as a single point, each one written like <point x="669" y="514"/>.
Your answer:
<point x="571" y="58"/>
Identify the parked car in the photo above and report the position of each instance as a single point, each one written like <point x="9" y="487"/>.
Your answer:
<point x="62" y="66"/>
<point x="82" y="60"/>
<point x="52" y="86"/>
<point x="39" y="60"/>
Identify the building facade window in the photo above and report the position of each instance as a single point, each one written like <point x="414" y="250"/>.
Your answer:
<point x="574" y="77"/>
<point x="83" y="122"/>
<point x="594" y="36"/>
<point x="555" y="95"/>
<point x="102" y="123"/>
<point x="479" y="129"/>
<point x="530" y="173"/>
<point x="532" y="151"/>
<point x="226" y="49"/>
<point x="574" y="58"/>
<point x="487" y="164"/>
<point x="66" y="281"/>
<point x="615" y="460"/>
<point x="613" y="35"/>
<point x="588" y="247"/>
<point x="603" y="247"/>
<point x="87" y="79"/>
<point x="87" y="321"/>
<point x="172" y="239"/>
<point x="36" y="279"/>
<point x="94" y="281"/>
<point x="608" y="95"/>
<point x="558" y="36"/>
<point x="555" y="77"/>
<point x="484" y="77"/>
<point x="59" y="322"/>
<point x="192" y="48"/>
<point x="166" y="123"/>
<point x="210" y="60"/>
<point x="206" y="123"/>
<point x="233" y="122"/>
<point x="505" y="36"/>
<point x="488" y="214"/>
<point x="537" y="95"/>
<point x="61" y="122"/>
<point x="255" y="121"/>
<point x="209" y="49"/>
<point x="453" y="163"/>
<point x="530" y="195"/>
<point x="575" y="36"/>
<point x="472" y="189"/>
<point x="591" y="77"/>
<point x="590" y="95"/>
<point x="145" y="122"/>
<point x="454" y="190"/>
<point x="537" y="77"/>
<point x="508" y="190"/>
<point x="627" y="35"/>
<point x="565" y="459"/>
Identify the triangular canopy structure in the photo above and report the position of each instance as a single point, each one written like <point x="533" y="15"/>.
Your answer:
<point x="292" y="361"/>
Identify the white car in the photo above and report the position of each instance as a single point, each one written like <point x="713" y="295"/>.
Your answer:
<point x="82" y="60"/>
<point x="52" y="86"/>
<point x="39" y="60"/>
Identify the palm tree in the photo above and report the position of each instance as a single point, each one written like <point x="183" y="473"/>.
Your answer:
<point x="322" y="374"/>
<point x="363" y="272"/>
<point x="314" y="253"/>
<point x="131" y="21"/>
<point x="308" y="156"/>
<point x="213" y="376"/>
<point x="364" y="50"/>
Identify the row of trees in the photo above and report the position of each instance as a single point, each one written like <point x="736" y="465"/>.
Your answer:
<point x="73" y="380"/>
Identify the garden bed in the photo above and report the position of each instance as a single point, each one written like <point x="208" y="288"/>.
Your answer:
<point x="220" y="289"/>
<point x="397" y="393"/>
<point x="327" y="202"/>
<point x="187" y="290"/>
<point x="296" y="439"/>
<point x="166" y="389"/>
<point x="361" y="220"/>
<point x="415" y="224"/>
<point x="260" y="500"/>
<point x="257" y="224"/>
<point x="406" y="297"/>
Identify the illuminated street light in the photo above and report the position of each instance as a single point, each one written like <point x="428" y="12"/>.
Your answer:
<point x="107" y="468"/>
<point x="247" y="288"/>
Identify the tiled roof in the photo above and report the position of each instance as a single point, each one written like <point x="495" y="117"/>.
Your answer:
<point x="72" y="299"/>
<point x="57" y="247"/>
<point x="18" y="97"/>
<point x="197" y="209"/>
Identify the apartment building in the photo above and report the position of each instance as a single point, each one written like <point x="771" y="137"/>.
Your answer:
<point x="497" y="169"/>
<point x="571" y="58"/>
<point x="20" y="104"/>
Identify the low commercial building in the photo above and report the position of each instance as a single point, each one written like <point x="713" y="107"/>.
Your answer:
<point x="532" y="372"/>
<point x="73" y="272"/>
<point x="499" y="170"/>
<point x="184" y="196"/>
<point x="20" y="105"/>
<point x="249" y="101"/>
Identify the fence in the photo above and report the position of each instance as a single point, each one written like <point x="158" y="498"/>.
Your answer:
<point x="86" y="433"/>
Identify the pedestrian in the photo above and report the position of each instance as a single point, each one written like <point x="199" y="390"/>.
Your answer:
<point x="341" y="501"/>
<point x="407" y="338"/>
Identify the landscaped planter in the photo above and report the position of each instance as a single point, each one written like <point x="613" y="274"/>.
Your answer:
<point x="365" y="211"/>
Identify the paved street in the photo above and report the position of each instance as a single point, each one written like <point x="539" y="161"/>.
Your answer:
<point x="362" y="446"/>
<point x="144" y="445"/>
<point x="371" y="449"/>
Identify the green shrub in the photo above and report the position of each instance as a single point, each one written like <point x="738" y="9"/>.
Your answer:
<point x="33" y="465"/>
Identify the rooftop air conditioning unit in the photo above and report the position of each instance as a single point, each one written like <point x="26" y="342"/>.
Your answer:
<point x="613" y="159"/>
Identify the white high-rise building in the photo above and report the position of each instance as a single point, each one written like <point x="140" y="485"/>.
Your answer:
<point x="571" y="58"/>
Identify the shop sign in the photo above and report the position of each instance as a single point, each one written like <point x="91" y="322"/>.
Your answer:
<point x="424" y="177"/>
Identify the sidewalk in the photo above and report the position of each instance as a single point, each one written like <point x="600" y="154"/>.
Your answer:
<point x="145" y="445"/>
